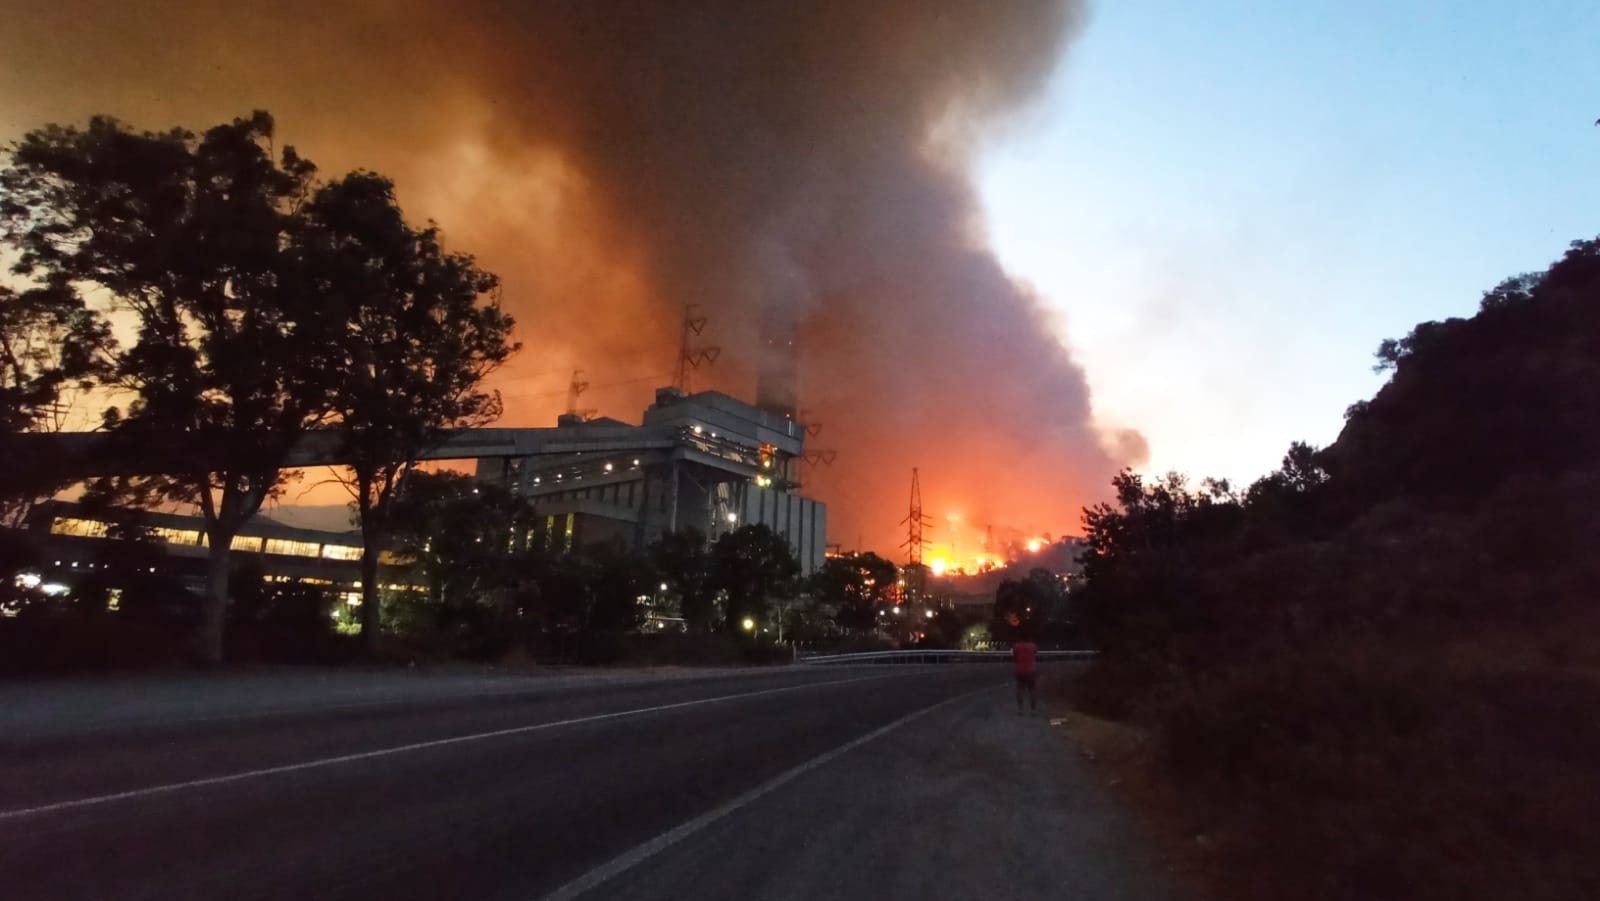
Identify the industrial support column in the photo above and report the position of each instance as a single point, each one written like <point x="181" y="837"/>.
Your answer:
<point x="641" y="530"/>
<point x="672" y="503"/>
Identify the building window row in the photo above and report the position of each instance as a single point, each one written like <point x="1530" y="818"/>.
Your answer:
<point x="79" y="527"/>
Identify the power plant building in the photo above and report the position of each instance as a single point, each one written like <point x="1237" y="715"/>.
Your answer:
<point x="703" y="461"/>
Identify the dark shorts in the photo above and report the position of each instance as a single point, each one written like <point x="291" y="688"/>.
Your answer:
<point x="1028" y="679"/>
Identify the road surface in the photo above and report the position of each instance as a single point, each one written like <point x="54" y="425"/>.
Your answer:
<point x="844" y="782"/>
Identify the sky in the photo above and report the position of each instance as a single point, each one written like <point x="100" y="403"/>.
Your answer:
<point x="1229" y="205"/>
<point x="1222" y="208"/>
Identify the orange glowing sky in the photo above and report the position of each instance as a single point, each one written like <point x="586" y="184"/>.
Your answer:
<point x="614" y="165"/>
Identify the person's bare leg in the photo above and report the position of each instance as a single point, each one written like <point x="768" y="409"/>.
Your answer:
<point x="1033" y="696"/>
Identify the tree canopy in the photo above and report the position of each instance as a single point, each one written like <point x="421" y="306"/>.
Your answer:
<point x="264" y="304"/>
<point x="409" y="338"/>
<point x="683" y="563"/>
<point x="751" y="564"/>
<point x="1384" y="629"/>
<point x="859" y="586"/>
<point x="1022" y="605"/>
<point x="52" y="346"/>
<point x="187" y="234"/>
<point x="1457" y="497"/>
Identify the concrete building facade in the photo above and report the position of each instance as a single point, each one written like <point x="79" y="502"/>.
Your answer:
<point x="704" y="461"/>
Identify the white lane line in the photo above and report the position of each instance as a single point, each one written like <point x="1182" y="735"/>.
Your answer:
<point x="641" y="853"/>
<point x="97" y="800"/>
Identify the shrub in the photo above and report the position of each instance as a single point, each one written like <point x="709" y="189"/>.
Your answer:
<point x="1367" y="772"/>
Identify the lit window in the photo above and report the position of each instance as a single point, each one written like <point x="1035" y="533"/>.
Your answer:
<point x="83" y="528"/>
<point x="291" y="548"/>
<point x="176" y="536"/>
<point x="246" y="543"/>
<point x="341" y="552"/>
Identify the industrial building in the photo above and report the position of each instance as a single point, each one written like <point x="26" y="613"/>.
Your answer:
<point x="74" y="541"/>
<point x="704" y="461"/>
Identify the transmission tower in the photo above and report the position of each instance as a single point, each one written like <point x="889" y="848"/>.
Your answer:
<point x="689" y="356"/>
<point x="812" y="428"/>
<point x="815" y="456"/>
<point x="575" y="388"/>
<point x="915" y="522"/>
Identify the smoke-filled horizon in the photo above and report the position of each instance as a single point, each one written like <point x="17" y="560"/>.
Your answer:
<point x="614" y="162"/>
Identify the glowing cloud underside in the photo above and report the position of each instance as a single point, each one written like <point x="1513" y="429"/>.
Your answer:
<point x="615" y="161"/>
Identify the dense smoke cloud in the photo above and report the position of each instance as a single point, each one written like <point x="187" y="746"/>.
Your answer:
<point x="614" y="161"/>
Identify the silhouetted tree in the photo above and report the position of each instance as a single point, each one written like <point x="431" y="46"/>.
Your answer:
<point x="1021" y="605"/>
<point x="187" y="234"/>
<point x="463" y="543"/>
<point x="683" y="561"/>
<point x="615" y="580"/>
<point x="1470" y="402"/>
<point x="858" y="585"/>
<point x="1319" y="646"/>
<point x="410" y="338"/>
<point x="750" y="564"/>
<point x="51" y="347"/>
<point x="452" y="532"/>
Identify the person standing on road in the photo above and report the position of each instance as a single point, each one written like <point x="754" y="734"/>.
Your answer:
<point x="1025" y="655"/>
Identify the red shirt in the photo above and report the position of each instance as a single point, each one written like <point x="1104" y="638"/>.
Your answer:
<point x="1023" y="653"/>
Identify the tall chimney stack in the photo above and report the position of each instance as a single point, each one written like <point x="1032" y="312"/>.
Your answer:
<point x="777" y="373"/>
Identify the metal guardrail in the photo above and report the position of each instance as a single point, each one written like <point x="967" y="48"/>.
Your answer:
<point x="931" y="656"/>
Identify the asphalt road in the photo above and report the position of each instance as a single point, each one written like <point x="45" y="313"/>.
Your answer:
<point x="858" y="782"/>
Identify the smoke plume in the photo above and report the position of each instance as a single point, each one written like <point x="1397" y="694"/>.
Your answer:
<point x="615" y="161"/>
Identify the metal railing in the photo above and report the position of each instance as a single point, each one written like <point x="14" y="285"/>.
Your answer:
<point x="933" y="656"/>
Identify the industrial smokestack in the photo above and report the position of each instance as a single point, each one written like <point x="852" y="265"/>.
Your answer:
<point x="778" y="369"/>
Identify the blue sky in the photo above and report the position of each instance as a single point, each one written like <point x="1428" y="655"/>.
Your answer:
<point x="1230" y="204"/>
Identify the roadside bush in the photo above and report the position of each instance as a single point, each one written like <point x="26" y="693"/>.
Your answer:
<point x="1366" y="772"/>
<point x="63" y="642"/>
<point x="599" y="648"/>
<point x="685" y="648"/>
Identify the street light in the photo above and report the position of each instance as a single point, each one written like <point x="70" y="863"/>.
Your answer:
<point x="733" y="518"/>
<point x="663" y="586"/>
<point x="749" y="624"/>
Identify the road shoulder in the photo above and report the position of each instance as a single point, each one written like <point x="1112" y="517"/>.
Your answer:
<point x="970" y="801"/>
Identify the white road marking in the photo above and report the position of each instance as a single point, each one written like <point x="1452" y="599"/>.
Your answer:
<point x="641" y="853"/>
<point x="98" y="800"/>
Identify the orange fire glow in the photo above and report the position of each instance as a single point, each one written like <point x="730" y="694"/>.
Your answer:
<point x="606" y="202"/>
